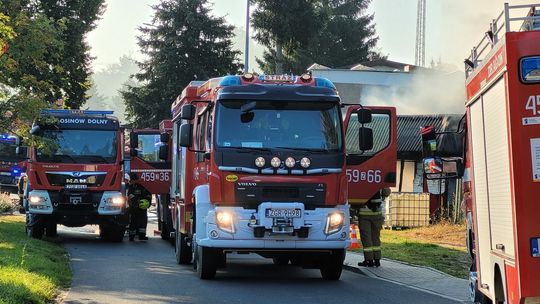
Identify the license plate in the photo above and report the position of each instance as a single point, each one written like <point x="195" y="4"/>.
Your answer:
<point x="283" y="213"/>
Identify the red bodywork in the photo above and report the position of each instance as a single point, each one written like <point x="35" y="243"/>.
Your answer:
<point x="520" y="273"/>
<point x="204" y="170"/>
<point x="154" y="177"/>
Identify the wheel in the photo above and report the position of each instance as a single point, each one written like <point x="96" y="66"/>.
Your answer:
<point x="166" y="226"/>
<point x="112" y="233"/>
<point x="34" y="229"/>
<point x="181" y="248"/>
<point x="51" y="229"/>
<point x="281" y="261"/>
<point x="206" y="263"/>
<point x="332" y="267"/>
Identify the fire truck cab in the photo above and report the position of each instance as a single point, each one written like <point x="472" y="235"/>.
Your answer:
<point x="501" y="156"/>
<point x="76" y="176"/>
<point x="260" y="165"/>
<point x="150" y="167"/>
<point x="12" y="163"/>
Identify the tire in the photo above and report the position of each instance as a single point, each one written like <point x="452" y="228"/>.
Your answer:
<point x="165" y="225"/>
<point x="332" y="267"/>
<point x="206" y="263"/>
<point x="112" y="233"/>
<point x="51" y="229"/>
<point x="36" y="230"/>
<point x="182" y="251"/>
<point x="281" y="261"/>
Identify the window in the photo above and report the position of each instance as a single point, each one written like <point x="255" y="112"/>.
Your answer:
<point x="148" y="147"/>
<point x="380" y="125"/>
<point x="530" y="69"/>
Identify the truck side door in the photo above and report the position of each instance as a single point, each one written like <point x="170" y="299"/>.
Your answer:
<point x="375" y="169"/>
<point x="153" y="173"/>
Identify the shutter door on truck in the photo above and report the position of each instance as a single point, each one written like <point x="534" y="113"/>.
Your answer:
<point x="480" y="191"/>
<point x="498" y="168"/>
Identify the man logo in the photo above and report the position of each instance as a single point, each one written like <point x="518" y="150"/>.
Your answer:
<point x="76" y="174"/>
<point x="75" y="200"/>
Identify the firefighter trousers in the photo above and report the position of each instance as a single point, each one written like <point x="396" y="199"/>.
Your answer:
<point x="138" y="219"/>
<point x="370" y="234"/>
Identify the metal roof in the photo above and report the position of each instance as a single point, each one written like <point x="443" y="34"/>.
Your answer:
<point x="409" y="139"/>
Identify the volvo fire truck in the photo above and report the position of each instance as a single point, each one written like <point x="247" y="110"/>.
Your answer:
<point x="270" y="165"/>
<point x="12" y="163"/>
<point x="150" y="167"/>
<point x="75" y="176"/>
<point x="501" y="156"/>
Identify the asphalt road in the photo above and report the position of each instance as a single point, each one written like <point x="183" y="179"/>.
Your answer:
<point x="146" y="272"/>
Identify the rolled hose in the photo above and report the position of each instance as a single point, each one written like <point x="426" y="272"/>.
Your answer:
<point x="144" y="204"/>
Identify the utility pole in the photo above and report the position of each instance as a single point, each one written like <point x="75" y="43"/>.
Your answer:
<point x="248" y="17"/>
<point x="420" y="54"/>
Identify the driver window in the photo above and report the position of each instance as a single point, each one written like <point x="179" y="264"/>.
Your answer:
<point x="380" y="125"/>
<point x="148" y="147"/>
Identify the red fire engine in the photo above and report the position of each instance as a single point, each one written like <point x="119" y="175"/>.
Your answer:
<point x="151" y="163"/>
<point x="267" y="165"/>
<point x="501" y="152"/>
<point x="76" y="178"/>
<point x="12" y="163"/>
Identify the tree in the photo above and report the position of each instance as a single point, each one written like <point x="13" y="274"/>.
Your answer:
<point x="342" y="35"/>
<point x="78" y="17"/>
<point x="183" y="43"/>
<point x="282" y="27"/>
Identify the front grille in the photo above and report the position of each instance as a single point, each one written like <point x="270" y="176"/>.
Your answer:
<point x="280" y="192"/>
<point x="58" y="179"/>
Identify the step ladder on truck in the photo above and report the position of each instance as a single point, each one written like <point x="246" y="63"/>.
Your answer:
<point x="268" y="165"/>
<point x="496" y="152"/>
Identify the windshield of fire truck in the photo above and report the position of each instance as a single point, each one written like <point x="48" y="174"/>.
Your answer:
<point x="78" y="146"/>
<point x="8" y="150"/>
<point x="302" y="125"/>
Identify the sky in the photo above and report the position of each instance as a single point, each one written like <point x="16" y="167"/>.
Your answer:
<point x="453" y="27"/>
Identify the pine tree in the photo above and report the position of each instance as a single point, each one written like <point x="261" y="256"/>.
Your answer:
<point x="341" y="33"/>
<point x="185" y="42"/>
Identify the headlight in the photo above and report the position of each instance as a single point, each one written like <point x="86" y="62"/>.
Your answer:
<point x="275" y="162"/>
<point x="116" y="201"/>
<point x="260" y="162"/>
<point x="225" y="221"/>
<point x="290" y="162"/>
<point x="34" y="199"/>
<point x="305" y="162"/>
<point x="334" y="222"/>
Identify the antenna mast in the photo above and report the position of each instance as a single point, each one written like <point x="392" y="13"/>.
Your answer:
<point x="420" y="54"/>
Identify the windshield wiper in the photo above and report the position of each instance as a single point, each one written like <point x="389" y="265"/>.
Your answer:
<point x="249" y="149"/>
<point x="63" y="157"/>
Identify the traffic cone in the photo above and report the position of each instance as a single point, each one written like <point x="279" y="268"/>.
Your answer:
<point x="353" y="231"/>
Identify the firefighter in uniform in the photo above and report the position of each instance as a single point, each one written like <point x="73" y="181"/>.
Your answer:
<point x="139" y="201"/>
<point x="370" y="221"/>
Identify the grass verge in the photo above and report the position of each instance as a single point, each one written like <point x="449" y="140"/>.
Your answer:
<point x="31" y="271"/>
<point x="441" y="247"/>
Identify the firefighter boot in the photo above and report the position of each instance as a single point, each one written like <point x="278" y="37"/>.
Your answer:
<point x="377" y="263"/>
<point x="366" y="263"/>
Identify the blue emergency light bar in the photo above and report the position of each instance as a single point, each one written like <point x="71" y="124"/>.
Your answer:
<point x="74" y="112"/>
<point x="234" y="80"/>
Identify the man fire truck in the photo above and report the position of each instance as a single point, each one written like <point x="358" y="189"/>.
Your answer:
<point x="76" y="176"/>
<point x="501" y="158"/>
<point x="260" y="165"/>
<point x="151" y="163"/>
<point x="12" y="164"/>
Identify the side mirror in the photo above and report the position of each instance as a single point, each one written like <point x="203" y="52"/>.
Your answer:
<point x="36" y="130"/>
<point x="186" y="135"/>
<point x="429" y="141"/>
<point x="133" y="142"/>
<point x="365" y="139"/>
<point x="164" y="152"/>
<point x="164" y="137"/>
<point x="364" y="116"/>
<point x="443" y="168"/>
<point x="22" y="151"/>
<point x="188" y="112"/>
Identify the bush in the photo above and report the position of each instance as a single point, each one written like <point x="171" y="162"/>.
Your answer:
<point x="7" y="205"/>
